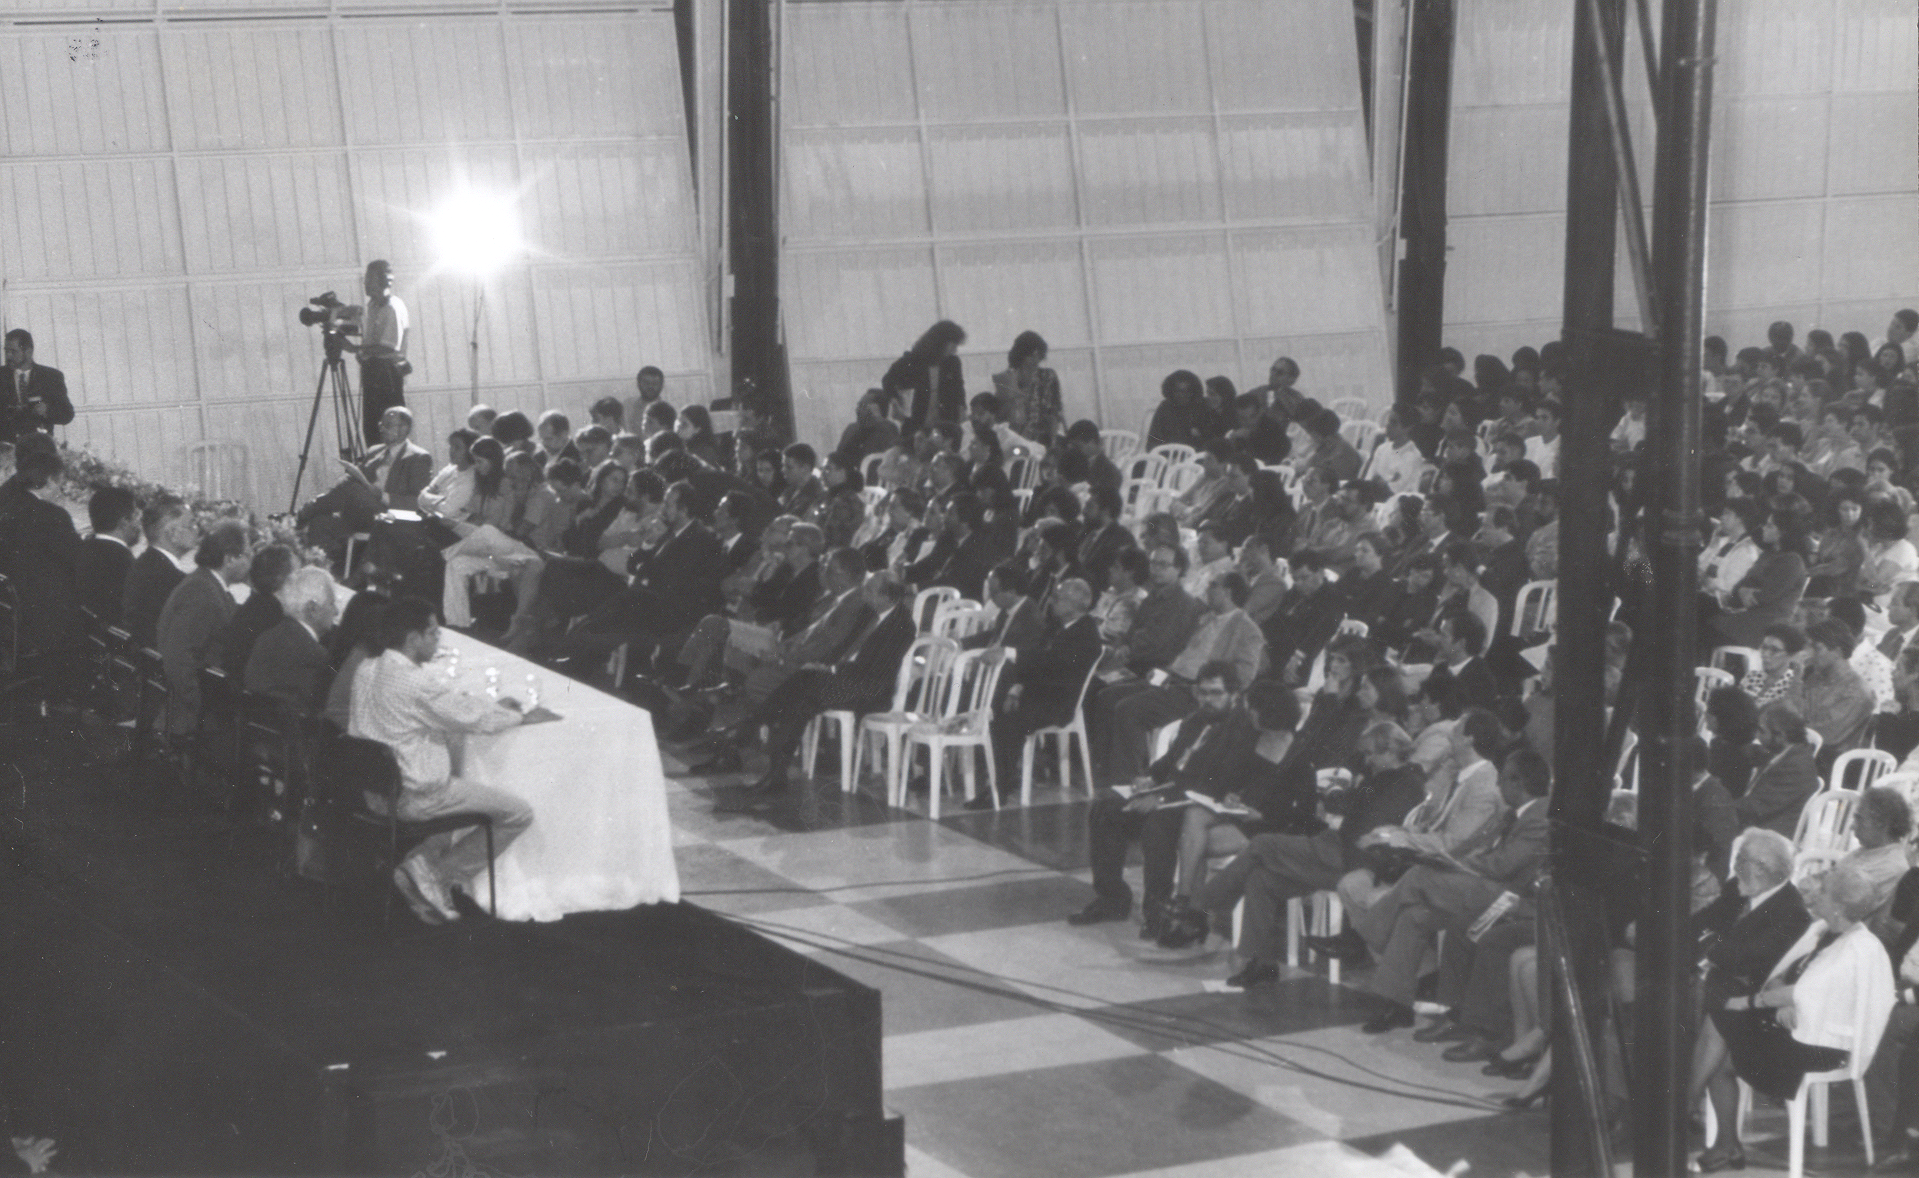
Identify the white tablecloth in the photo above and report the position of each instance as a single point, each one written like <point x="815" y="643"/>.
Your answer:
<point x="600" y="837"/>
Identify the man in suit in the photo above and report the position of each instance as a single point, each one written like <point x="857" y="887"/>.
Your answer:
<point x="39" y="550"/>
<point x="1166" y="617"/>
<point x="676" y="587"/>
<point x="1102" y="538"/>
<point x="392" y="475"/>
<point x="106" y="557"/>
<point x="288" y="663"/>
<point x="1209" y="747"/>
<point x="1780" y="787"/>
<point x="1045" y="680"/>
<point x="1020" y="624"/>
<point x="171" y="537"/>
<point x="33" y="397"/>
<point x="1305" y="618"/>
<point x="260" y="612"/>
<point x="859" y="682"/>
<point x="188" y="633"/>
<point x="1459" y="642"/>
<point x="1433" y="897"/>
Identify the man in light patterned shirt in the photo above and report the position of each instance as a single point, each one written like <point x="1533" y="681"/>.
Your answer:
<point x="414" y="712"/>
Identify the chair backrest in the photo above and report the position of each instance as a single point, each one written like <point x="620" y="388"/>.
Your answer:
<point x="1182" y="477"/>
<point x="1022" y="471"/>
<point x="1738" y="660"/>
<point x="1860" y="769"/>
<point x="1825" y="823"/>
<point x="1151" y="500"/>
<point x="1626" y="773"/>
<point x="1163" y="739"/>
<point x="1534" y="610"/>
<point x="1023" y="498"/>
<point x="975" y="680"/>
<point x="1119" y="444"/>
<point x="959" y="619"/>
<point x="927" y="602"/>
<point x="1150" y="468"/>
<point x="920" y="684"/>
<point x="1352" y="409"/>
<point x="1707" y="680"/>
<point x="219" y="469"/>
<point x="870" y="468"/>
<point x="348" y="767"/>
<point x="1173" y="453"/>
<point x="1363" y="434"/>
<point x="874" y="498"/>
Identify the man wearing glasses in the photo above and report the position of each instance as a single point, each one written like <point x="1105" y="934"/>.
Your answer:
<point x="1210" y="745"/>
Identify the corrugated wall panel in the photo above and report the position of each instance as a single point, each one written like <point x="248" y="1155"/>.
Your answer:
<point x="263" y="161"/>
<point x="949" y="168"/>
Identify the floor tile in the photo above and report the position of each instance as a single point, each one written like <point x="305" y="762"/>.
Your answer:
<point x="822" y="927"/>
<point x="923" y="989"/>
<point x="1320" y="1159"/>
<point x="920" y="1164"/>
<point x="1496" y="1146"/>
<point x="995" y="1049"/>
<point x="1077" y="967"/>
<point x="980" y="907"/>
<point x="1295" y="1004"/>
<point x="871" y="862"/>
<point x="1051" y="834"/>
<point x="715" y="878"/>
<point x="1089" y="1119"/>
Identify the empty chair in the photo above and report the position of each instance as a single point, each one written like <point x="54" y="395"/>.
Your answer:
<point x="1148" y="468"/>
<point x="1173" y="453"/>
<point x="1825" y="825"/>
<point x="1352" y="409"/>
<point x="926" y="605"/>
<point x="1183" y="477"/>
<point x="1707" y="680"/>
<point x="870" y="468"/>
<point x="1536" y="609"/>
<point x="1119" y="444"/>
<point x="918" y="692"/>
<point x="1738" y="661"/>
<point x="1363" y="434"/>
<point x="964" y="724"/>
<point x="959" y="620"/>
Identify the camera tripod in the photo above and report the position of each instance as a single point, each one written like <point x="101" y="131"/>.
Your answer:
<point x="346" y="411"/>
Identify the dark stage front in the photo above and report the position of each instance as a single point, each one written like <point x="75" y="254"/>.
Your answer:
<point x="175" y="1004"/>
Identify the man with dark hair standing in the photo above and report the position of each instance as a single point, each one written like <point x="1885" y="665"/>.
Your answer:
<point x="382" y="347"/>
<point x="188" y="634"/>
<point x="171" y="535"/>
<point x="106" y="557"/>
<point x="38" y="550"/>
<point x="33" y="398"/>
<point x="650" y="383"/>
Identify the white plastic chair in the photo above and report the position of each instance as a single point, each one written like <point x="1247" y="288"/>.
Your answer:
<point x="926" y="605"/>
<point x="874" y="498"/>
<point x="1862" y="1044"/>
<point x="1173" y="453"/>
<point x="1328" y="918"/>
<point x="1065" y="735"/>
<point x="1150" y="468"/>
<point x="1859" y="769"/>
<point x="1152" y="500"/>
<point x="1363" y="434"/>
<point x="1352" y="409"/>
<point x="1184" y="477"/>
<point x="964" y="724"/>
<point x="1825" y="823"/>
<point x="917" y="693"/>
<point x="1023" y="497"/>
<point x="1022" y="470"/>
<point x="1119" y="444"/>
<point x="1535" y="609"/>
<point x="959" y="619"/>
<point x="870" y="468"/>
<point x="219" y="469"/>
<point x="1707" y="680"/>
<point x="1626" y="773"/>
<point x="1737" y="660"/>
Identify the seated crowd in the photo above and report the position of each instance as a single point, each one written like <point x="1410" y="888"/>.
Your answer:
<point x="1308" y="663"/>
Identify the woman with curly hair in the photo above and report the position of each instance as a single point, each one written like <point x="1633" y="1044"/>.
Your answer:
<point x="1029" y="394"/>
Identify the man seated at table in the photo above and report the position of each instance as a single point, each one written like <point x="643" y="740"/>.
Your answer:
<point x="287" y="662"/>
<point x="859" y="682"/>
<point x="391" y="475"/>
<point x="1211" y="744"/>
<point x="418" y="714"/>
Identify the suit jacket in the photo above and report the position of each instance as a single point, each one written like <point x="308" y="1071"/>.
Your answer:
<point x="1162" y="625"/>
<point x="39" y="551"/>
<point x="259" y="613"/>
<point x="863" y="680"/>
<point x="1740" y="947"/>
<point x="1510" y="864"/>
<point x="150" y="582"/>
<point x="1477" y="687"/>
<point x="1779" y="790"/>
<point x="406" y="476"/>
<point x="46" y="405"/>
<point x="906" y="380"/>
<point x="188" y="636"/>
<point x="1096" y="552"/>
<point x="288" y="664"/>
<point x="790" y="605"/>
<point x="101" y="567"/>
<point x="683" y="579"/>
<point x="1020" y="629"/>
<point x="1219" y="751"/>
<point x="966" y="569"/>
<point x="832" y="631"/>
<point x="1302" y="624"/>
<point x="1051" y="675"/>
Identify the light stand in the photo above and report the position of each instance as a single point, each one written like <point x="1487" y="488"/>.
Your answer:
<point x="473" y="343"/>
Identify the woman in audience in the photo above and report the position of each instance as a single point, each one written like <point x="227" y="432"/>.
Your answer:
<point x="986" y="469"/>
<point x="1732" y="719"/>
<point x="1890" y="557"/>
<point x="768" y="474"/>
<point x="1330" y="736"/>
<point x="1028" y="393"/>
<point x="605" y="496"/>
<point x="1218" y="396"/>
<point x="1771" y="588"/>
<point x="1370" y="592"/>
<point x="1382" y="695"/>
<point x="926" y="383"/>
<point x="1181" y="418"/>
<point x="353" y="641"/>
<point x="842" y="510"/>
<point x="900" y="466"/>
<point x="450" y="489"/>
<point x="1777" y="675"/>
<point x="1838" y="551"/>
<point x="695" y="428"/>
<point x="1414" y="612"/>
<point x="1801" y="1021"/>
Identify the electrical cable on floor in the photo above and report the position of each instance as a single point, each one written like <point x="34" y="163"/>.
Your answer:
<point x="878" y="883"/>
<point x="1107" y="1012"/>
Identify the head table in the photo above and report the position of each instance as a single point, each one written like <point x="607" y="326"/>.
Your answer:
<point x="600" y="837"/>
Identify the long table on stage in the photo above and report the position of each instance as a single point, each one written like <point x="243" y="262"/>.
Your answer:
<point x="600" y="838"/>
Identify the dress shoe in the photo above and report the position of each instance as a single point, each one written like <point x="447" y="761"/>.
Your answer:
<point x="1471" y="1051"/>
<point x="1520" y="1101"/>
<point x="1156" y="919"/>
<point x="1348" y="947"/>
<point x="1509" y="1069"/>
<point x="414" y="900"/>
<point x="1440" y="1030"/>
<point x="1715" y="1160"/>
<point x="1101" y="911"/>
<point x="1185" y="928"/>
<point x="1255" y="973"/>
<point x="1393" y="1018"/>
<point x="725" y="759"/>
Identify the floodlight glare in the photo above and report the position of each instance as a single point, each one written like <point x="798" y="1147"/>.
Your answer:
<point x="475" y="232"/>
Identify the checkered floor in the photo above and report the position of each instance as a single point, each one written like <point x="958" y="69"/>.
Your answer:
<point x="1018" y="1045"/>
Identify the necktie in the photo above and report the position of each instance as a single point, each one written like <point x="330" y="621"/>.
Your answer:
<point x="1892" y="644"/>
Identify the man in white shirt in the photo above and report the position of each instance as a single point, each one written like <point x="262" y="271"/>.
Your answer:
<point x="414" y="712"/>
<point x="382" y="347"/>
<point x="1398" y="463"/>
<point x="1543" y="448"/>
<point x="1902" y="331"/>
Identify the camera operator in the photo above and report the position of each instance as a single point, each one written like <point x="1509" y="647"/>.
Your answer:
<point x="33" y="397"/>
<point x="382" y="348"/>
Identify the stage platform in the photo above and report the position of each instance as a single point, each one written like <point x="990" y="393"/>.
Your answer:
<point x="175" y="1004"/>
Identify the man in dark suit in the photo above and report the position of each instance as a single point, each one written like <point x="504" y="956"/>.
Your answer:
<point x="1461" y="642"/>
<point x="288" y="663"/>
<point x="171" y="537"/>
<point x="39" y="549"/>
<point x="1433" y="897"/>
<point x="1780" y="787"/>
<point x="106" y="557"/>
<point x="33" y="397"/>
<point x="1211" y="744"/>
<point x="1020" y="624"/>
<point x="261" y="610"/>
<point x="188" y="634"/>
<point x="1045" y="680"/>
<point x="859" y="682"/>
<point x="1102" y="538"/>
<point x="392" y="475"/>
<point x="1306" y="618"/>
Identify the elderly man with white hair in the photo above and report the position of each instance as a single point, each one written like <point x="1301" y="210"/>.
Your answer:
<point x="288" y="663"/>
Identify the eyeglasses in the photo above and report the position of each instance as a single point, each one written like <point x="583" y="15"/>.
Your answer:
<point x="1772" y="648"/>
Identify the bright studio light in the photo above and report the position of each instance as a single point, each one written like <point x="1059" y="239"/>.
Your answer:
<point x="475" y="232"/>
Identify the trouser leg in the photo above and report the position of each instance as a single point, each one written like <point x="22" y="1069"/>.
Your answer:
<point x="456" y="857"/>
<point x="1109" y="829"/>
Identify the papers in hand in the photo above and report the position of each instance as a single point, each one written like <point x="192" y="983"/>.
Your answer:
<point x="1163" y="794"/>
<point x="1217" y="806"/>
<point x="1491" y="915"/>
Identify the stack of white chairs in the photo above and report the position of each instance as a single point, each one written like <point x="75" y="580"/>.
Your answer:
<point x="959" y="619"/>
<point x="918" y="693"/>
<point x="963" y="725"/>
<point x="923" y="657"/>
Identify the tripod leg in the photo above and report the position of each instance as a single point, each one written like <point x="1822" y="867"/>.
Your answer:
<point x="346" y="412"/>
<point x="306" y="448"/>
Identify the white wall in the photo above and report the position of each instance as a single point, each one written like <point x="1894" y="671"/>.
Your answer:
<point x="1815" y="169"/>
<point x="1150" y="185"/>
<point x="176" y="184"/>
